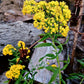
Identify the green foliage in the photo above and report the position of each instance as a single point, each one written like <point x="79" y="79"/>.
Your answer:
<point x="6" y="81"/>
<point x="44" y="37"/>
<point x="78" y="75"/>
<point x="51" y="56"/>
<point x="55" y="74"/>
<point x="67" y="62"/>
<point x="43" y="45"/>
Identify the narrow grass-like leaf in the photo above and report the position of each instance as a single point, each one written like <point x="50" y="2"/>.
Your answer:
<point x="6" y="81"/>
<point x="63" y="81"/>
<point x="40" y="68"/>
<point x="60" y="45"/>
<point x="50" y="68"/>
<point x="66" y="41"/>
<point x="41" y="58"/>
<point x="73" y="77"/>
<point x="51" y="56"/>
<point x="54" y="76"/>
<point x="81" y="62"/>
<point x="43" y="45"/>
<point x="44" y="37"/>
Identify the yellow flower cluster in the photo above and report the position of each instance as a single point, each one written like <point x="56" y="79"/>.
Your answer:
<point x="53" y="65"/>
<point x="52" y="17"/>
<point x="14" y="71"/>
<point x="7" y="50"/>
<point x="21" y="44"/>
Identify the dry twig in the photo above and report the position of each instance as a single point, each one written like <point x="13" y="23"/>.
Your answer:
<point x="76" y="33"/>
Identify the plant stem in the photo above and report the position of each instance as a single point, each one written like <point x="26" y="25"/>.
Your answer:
<point x="82" y="80"/>
<point x="59" y="69"/>
<point x="57" y="60"/>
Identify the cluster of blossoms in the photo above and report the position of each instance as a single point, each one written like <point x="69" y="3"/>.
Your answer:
<point x="8" y="49"/>
<point x="21" y="44"/>
<point x="53" y="65"/>
<point x="52" y="17"/>
<point x="14" y="71"/>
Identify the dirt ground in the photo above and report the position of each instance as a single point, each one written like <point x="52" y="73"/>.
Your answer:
<point x="10" y="8"/>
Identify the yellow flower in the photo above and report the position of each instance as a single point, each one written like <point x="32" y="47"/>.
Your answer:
<point x="27" y="57"/>
<point x="14" y="71"/>
<point x="7" y="50"/>
<point x="17" y="59"/>
<point x="9" y="74"/>
<point x="21" y="44"/>
<point x="53" y="65"/>
<point x="28" y="51"/>
<point x="48" y="16"/>
<point x="48" y="63"/>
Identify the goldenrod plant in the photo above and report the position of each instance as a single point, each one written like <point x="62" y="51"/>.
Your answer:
<point x="51" y="17"/>
<point x="18" y="72"/>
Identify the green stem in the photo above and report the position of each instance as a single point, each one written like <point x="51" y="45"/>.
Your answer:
<point x="57" y="60"/>
<point x="82" y="80"/>
<point x="59" y="69"/>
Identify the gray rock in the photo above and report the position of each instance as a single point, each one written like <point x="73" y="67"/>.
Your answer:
<point x="11" y="33"/>
<point x="43" y="75"/>
<point x="3" y="79"/>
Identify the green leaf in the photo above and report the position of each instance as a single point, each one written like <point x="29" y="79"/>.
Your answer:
<point x="60" y="45"/>
<point x="42" y="34"/>
<point x="50" y="68"/>
<point x="20" y="61"/>
<point x="24" y="83"/>
<point x="44" y="38"/>
<point x="73" y="77"/>
<point x="51" y="56"/>
<point x="81" y="62"/>
<point x="63" y="81"/>
<point x="12" y="59"/>
<point x="26" y="76"/>
<point x="11" y="64"/>
<point x="54" y="76"/>
<point x="43" y="45"/>
<point x="40" y="68"/>
<point x="66" y="41"/>
<point x="63" y="61"/>
<point x="6" y="81"/>
<point x="59" y="35"/>
<point x="41" y="58"/>
<point x="65" y="66"/>
<point x="81" y="75"/>
<point x="17" y="81"/>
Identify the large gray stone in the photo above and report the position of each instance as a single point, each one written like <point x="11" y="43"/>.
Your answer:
<point x="11" y="33"/>
<point x="3" y="78"/>
<point x="43" y="75"/>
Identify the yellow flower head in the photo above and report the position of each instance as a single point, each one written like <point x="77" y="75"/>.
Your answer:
<point x="48" y="63"/>
<point x="28" y="51"/>
<point x="48" y="16"/>
<point x="21" y="44"/>
<point x="53" y="65"/>
<point x="7" y="50"/>
<point x="27" y="57"/>
<point x="14" y="71"/>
